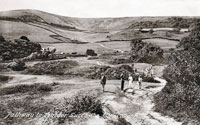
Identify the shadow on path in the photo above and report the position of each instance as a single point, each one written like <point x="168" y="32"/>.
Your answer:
<point x="109" y="92"/>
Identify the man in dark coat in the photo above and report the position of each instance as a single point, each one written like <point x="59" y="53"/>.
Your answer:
<point x="103" y="81"/>
<point x="122" y="81"/>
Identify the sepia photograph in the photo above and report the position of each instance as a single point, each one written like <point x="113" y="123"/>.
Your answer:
<point x="100" y="62"/>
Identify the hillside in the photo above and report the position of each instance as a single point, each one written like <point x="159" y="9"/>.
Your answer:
<point x="49" y="28"/>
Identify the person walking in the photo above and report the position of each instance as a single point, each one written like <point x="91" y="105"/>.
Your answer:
<point x="140" y="82"/>
<point x="130" y="81"/>
<point x="122" y="81"/>
<point x="133" y="68"/>
<point x="103" y="81"/>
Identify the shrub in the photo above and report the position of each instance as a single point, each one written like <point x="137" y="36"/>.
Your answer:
<point x="83" y="103"/>
<point x="150" y="79"/>
<point x="19" y="48"/>
<point x="145" y="52"/>
<point x="52" y="68"/>
<point x="80" y="104"/>
<point x="180" y="97"/>
<point x="2" y="39"/>
<point x="18" y="65"/>
<point x="193" y="40"/>
<point x="34" y="88"/>
<point x="4" y="78"/>
<point x="90" y="52"/>
<point x="44" y="88"/>
<point x="151" y="31"/>
<point x="110" y="72"/>
<point x="24" y="38"/>
<point x="55" y="84"/>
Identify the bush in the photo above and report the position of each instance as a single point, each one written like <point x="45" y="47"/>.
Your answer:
<point x="2" y="39"/>
<point x="18" y="65"/>
<point x="80" y="104"/>
<point x="193" y="40"/>
<point x="180" y="97"/>
<point x="150" y="79"/>
<point x="24" y="38"/>
<point x="19" y="48"/>
<point x="34" y="88"/>
<point x="151" y="31"/>
<point x="4" y="78"/>
<point x="44" y="88"/>
<point x="52" y="68"/>
<point x="110" y="72"/>
<point x="90" y="52"/>
<point x="84" y="103"/>
<point x="145" y="52"/>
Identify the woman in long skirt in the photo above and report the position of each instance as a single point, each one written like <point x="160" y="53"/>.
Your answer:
<point x="130" y="81"/>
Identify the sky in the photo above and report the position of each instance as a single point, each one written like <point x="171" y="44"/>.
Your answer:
<point x="107" y="8"/>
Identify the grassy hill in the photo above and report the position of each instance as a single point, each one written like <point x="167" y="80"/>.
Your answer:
<point x="51" y="30"/>
<point x="45" y="27"/>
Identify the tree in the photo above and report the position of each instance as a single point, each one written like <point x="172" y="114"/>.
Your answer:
<point x="24" y="38"/>
<point x="151" y="31"/>
<point x="2" y="39"/>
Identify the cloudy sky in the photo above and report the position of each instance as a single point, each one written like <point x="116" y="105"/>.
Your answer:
<point x="108" y="8"/>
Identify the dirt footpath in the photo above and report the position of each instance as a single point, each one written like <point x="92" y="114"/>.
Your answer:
<point x="136" y="106"/>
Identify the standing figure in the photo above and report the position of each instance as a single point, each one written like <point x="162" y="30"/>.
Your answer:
<point x="134" y="69"/>
<point x="122" y="81"/>
<point x="146" y="71"/>
<point x="140" y="82"/>
<point x="152" y="72"/>
<point x="130" y="81"/>
<point x="103" y="81"/>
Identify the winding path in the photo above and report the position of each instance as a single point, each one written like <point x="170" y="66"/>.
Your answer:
<point x="137" y="108"/>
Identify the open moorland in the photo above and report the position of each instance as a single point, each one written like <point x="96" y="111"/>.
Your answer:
<point x="50" y="70"/>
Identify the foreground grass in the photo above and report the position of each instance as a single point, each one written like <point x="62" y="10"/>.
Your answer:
<point x="22" y="99"/>
<point x="78" y="109"/>
<point x="28" y="99"/>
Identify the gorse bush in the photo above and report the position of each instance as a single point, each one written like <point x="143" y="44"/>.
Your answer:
<point x="79" y="104"/>
<point x="145" y="52"/>
<point x="18" y="48"/>
<point x="52" y="68"/>
<point x="34" y="88"/>
<point x="181" y="95"/>
<point x="4" y="78"/>
<point x="150" y="79"/>
<point x="83" y="103"/>
<point x="193" y="40"/>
